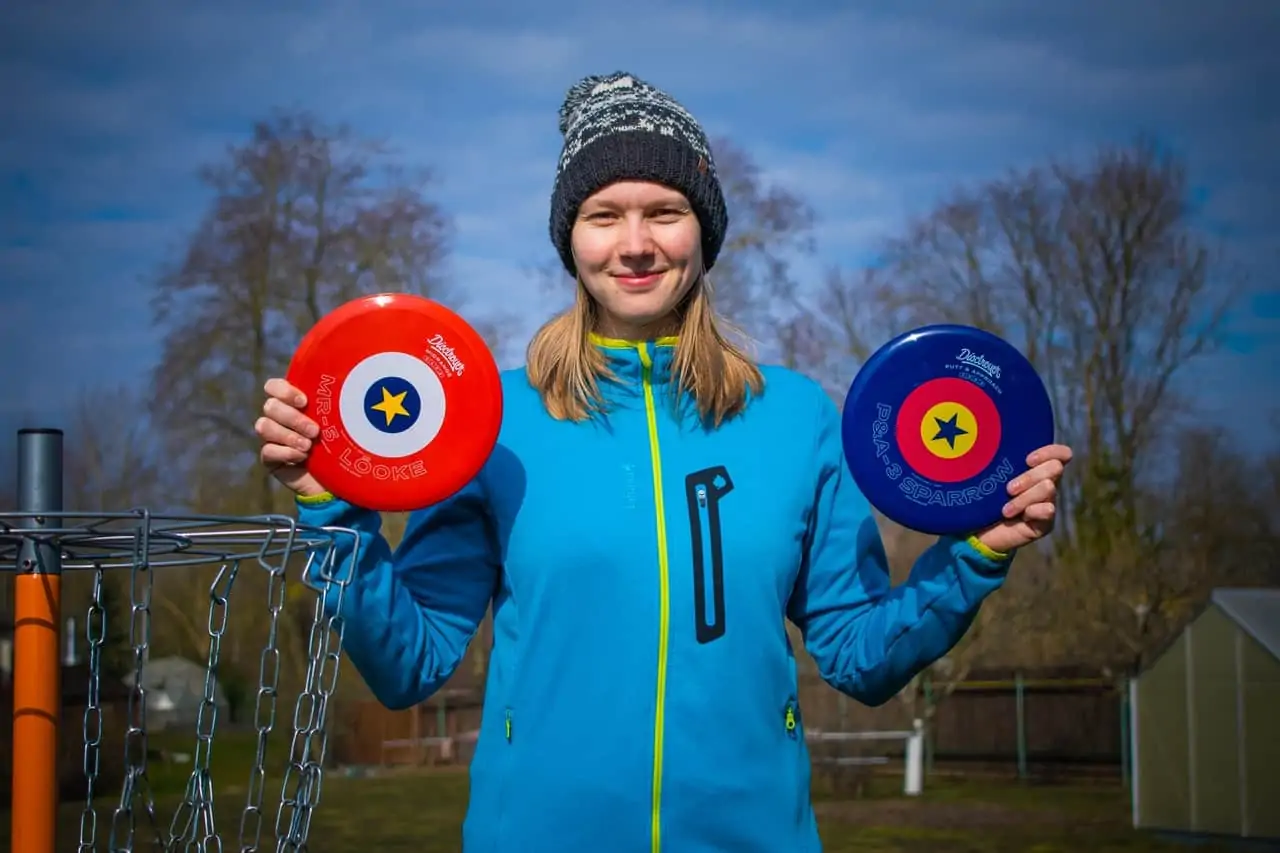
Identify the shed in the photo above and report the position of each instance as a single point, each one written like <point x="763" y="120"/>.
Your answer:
<point x="1205" y="734"/>
<point x="175" y="691"/>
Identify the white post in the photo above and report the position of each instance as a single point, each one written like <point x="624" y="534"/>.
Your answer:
<point x="69" y="650"/>
<point x="6" y="659"/>
<point x="913" y="777"/>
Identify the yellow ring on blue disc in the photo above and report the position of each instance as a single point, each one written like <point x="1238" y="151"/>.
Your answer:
<point x="948" y="430"/>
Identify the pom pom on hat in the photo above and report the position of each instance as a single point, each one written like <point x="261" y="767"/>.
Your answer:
<point x="579" y="92"/>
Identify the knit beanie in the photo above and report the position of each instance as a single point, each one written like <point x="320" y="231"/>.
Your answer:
<point x="618" y="127"/>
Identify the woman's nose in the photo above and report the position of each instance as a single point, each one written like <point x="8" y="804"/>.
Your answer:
<point x="636" y="238"/>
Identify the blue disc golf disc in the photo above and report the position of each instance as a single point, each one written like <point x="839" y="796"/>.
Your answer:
<point x="936" y="424"/>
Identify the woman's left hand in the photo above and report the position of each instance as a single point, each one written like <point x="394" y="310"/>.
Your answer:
<point x="1032" y="506"/>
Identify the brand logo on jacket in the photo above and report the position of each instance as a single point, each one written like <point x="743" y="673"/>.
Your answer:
<point x="629" y="485"/>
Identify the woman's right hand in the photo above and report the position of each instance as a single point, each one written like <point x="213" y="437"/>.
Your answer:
<point x="287" y="435"/>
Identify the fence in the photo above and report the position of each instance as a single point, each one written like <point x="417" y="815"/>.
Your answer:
<point x="1016" y="720"/>
<point x="1010" y="721"/>
<point x="440" y="730"/>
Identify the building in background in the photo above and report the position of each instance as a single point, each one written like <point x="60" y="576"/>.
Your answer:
<point x="1204" y="726"/>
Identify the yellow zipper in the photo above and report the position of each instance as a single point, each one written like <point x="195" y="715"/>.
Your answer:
<point x="664" y="596"/>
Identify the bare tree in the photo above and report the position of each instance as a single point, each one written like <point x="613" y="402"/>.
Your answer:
<point x="769" y="226"/>
<point x="834" y="329"/>
<point x="304" y="217"/>
<point x="111" y="459"/>
<point x="1097" y="273"/>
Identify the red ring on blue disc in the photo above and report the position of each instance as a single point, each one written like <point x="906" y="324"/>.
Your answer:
<point x="982" y="436"/>
<point x="913" y="406"/>
<point x="408" y="398"/>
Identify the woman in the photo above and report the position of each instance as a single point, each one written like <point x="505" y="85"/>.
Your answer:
<point x="656" y="508"/>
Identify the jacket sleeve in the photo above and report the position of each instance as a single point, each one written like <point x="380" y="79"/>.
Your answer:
<point x="870" y="639"/>
<point x="410" y="614"/>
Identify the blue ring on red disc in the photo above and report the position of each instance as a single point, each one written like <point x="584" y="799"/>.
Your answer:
<point x="392" y="404"/>
<point x="938" y="421"/>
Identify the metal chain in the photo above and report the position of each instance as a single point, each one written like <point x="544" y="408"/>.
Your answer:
<point x="264" y="712"/>
<point x="95" y="627"/>
<point x="194" y="821"/>
<point x="310" y="731"/>
<point x="136" y="784"/>
<point x="193" y="827"/>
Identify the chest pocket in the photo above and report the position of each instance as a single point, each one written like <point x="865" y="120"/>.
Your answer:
<point x="704" y="489"/>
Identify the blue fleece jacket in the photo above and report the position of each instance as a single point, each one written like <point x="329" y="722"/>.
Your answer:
<point x="642" y="691"/>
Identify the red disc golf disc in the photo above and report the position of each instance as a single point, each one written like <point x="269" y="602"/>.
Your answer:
<point x="408" y="399"/>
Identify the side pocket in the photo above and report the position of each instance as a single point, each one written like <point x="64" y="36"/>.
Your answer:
<point x="703" y="492"/>
<point x="791" y="723"/>
<point x="505" y="761"/>
<point x="795" y="762"/>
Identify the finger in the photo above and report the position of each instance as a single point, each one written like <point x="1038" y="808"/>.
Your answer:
<point x="1040" y="512"/>
<point x="289" y="417"/>
<point x="283" y="391"/>
<point x="1042" y="492"/>
<point x="1060" y="452"/>
<point x="277" y="455"/>
<point x="1041" y="527"/>
<point x="273" y="432"/>
<point x="1049" y="470"/>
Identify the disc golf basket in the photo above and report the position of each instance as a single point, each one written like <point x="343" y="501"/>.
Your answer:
<point x="40" y="542"/>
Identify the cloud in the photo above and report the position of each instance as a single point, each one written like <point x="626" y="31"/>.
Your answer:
<point x="869" y="113"/>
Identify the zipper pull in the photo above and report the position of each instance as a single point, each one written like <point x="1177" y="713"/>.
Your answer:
<point x="791" y="720"/>
<point x="508" y="725"/>
<point x="702" y="496"/>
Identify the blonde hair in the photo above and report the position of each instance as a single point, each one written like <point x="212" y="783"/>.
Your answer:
<point x="564" y="365"/>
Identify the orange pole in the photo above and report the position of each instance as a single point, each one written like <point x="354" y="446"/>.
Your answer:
<point x="36" y="693"/>
<point x="37" y="667"/>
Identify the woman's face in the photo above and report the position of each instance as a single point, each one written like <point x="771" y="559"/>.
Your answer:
<point x="638" y="249"/>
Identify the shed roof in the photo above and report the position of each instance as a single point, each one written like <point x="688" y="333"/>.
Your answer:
<point x="1256" y="610"/>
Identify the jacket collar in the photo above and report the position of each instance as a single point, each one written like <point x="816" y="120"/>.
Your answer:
<point x="632" y="362"/>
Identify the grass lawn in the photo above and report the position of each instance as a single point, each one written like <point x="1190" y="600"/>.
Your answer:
<point x="421" y="811"/>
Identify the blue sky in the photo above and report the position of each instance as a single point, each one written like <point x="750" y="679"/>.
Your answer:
<point x="870" y="111"/>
